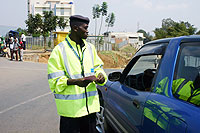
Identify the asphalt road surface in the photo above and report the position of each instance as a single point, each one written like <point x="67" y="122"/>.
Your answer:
<point x="26" y="103"/>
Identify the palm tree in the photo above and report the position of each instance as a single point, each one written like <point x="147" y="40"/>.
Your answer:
<point x="110" y="20"/>
<point x="104" y="8"/>
<point x="96" y="14"/>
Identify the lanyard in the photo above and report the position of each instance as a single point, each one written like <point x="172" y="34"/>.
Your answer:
<point x="78" y="56"/>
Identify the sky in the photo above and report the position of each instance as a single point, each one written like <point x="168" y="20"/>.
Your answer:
<point x="131" y="15"/>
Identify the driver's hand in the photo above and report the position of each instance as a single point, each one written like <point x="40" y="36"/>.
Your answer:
<point x="149" y="72"/>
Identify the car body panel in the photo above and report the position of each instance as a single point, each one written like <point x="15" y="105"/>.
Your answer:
<point x="132" y="110"/>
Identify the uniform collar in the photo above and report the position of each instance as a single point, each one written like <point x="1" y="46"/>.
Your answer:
<point x="73" y="43"/>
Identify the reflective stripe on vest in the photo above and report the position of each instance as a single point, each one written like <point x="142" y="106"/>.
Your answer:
<point x="65" y="58"/>
<point x="56" y="75"/>
<point x="90" y="49"/>
<point x="75" y="96"/>
<point x="62" y="73"/>
<point x="179" y="88"/>
<point x="77" y="76"/>
<point x="66" y="62"/>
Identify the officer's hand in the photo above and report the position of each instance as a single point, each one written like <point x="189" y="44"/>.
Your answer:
<point x="82" y="82"/>
<point x="100" y="78"/>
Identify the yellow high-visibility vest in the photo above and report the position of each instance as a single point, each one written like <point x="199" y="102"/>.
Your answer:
<point x="67" y="60"/>
<point x="184" y="89"/>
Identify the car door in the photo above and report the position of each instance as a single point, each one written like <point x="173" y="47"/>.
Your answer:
<point x="125" y="101"/>
<point x="165" y="110"/>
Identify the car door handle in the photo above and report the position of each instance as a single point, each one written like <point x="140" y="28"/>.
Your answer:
<point x="136" y="103"/>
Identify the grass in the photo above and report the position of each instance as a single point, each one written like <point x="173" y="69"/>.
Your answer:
<point x="113" y="55"/>
<point x="37" y="47"/>
<point x="129" y="49"/>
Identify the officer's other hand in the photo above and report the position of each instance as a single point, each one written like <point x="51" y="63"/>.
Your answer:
<point x="82" y="82"/>
<point x="100" y="78"/>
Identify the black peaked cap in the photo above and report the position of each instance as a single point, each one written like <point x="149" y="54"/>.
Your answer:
<point x="79" y="18"/>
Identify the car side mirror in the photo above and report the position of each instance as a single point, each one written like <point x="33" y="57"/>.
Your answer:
<point x="115" y="76"/>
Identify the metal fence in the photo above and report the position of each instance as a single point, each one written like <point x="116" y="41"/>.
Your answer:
<point x="39" y="42"/>
<point x="103" y="44"/>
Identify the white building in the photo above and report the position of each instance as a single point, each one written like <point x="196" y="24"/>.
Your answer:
<point x="124" y="38"/>
<point x="61" y="8"/>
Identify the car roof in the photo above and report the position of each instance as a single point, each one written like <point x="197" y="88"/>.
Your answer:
<point x="165" y="40"/>
<point x="183" y="39"/>
<point x="158" y="46"/>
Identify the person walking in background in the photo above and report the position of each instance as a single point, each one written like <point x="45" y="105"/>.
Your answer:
<point x="7" y="46"/>
<point x="11" y="45"/>
<point x="73" y="70"/>
<point x="4" y="49"/>
<point x="20" y="50"/>
<point x="23" y="39"/>
<point x="15" y="47"/>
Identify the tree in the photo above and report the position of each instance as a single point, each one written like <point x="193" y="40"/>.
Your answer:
<point x="96" y="14"/>
<point x="171" y="28"/>
<point x="37" y="24"/>
<point x="62" y="23"/>
<point x="49" y="24"/>
<point x="20" y="30"/>
<point x="147" y="36"/>
<point x="104" y="8"/>
<point x="110" y="20"/>
<point x="34" y="23"/>
<point x="30" y="23"/>
<point x="43" y="25"/>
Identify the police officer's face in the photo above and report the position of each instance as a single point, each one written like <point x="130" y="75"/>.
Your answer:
<point x="83" y="31"/>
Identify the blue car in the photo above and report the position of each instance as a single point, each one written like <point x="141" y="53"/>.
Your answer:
<point x="158" y="91"/>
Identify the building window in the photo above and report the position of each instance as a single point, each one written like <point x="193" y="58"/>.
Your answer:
<point x="62" y="11"/>
<point x="43" y="9"/>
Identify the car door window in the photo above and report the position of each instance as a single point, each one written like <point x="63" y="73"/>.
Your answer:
<point x="141" y="75"/>
<point x="186" y="82"/>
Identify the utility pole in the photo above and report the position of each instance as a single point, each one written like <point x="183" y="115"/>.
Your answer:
<point x="138" y="25"/>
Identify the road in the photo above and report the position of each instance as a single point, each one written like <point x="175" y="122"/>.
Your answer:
<point x="26" y="103"/>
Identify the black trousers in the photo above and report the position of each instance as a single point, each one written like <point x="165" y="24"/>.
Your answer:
<point x="85" y="124"/>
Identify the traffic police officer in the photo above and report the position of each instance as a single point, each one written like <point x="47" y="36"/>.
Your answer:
<point x="74" y="68"/>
